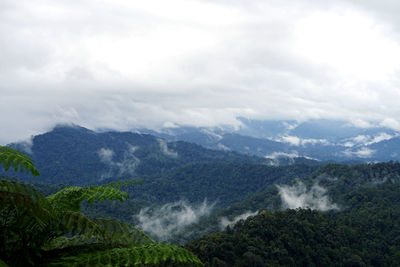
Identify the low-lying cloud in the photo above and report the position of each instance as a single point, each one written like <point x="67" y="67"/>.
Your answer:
<point x="171" y="219"/>
<point x="127" y="166"/>
<point x="165" y="150"/>
<point x="363" y="152"/>
<point x="297" y="141"/>
<point x="275" y="156"/>
<point x="196" y="63"/>
<point x="368" y="139"/>
<point x="224" y="221"/>
<point x="299" y="196"/>
<point x="106" y="155"/>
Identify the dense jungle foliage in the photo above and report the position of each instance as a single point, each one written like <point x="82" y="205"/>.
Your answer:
<point x="363" y="232"/>
<point x="51" y="231"/>
<point x="78" y="156"/>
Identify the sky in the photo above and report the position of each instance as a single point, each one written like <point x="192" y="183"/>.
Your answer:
<point x="120" y="64"/>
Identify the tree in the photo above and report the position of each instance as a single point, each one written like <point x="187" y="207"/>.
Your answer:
<point x="49" y="231"/>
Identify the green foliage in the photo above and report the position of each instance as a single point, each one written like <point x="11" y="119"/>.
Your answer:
<point x="70" y="155"/>
<point x="365" y="232"/>
<point x="51" y="231"/>
<point x="71" y="198"/>
<point x="225" y="182"/>
<point x="26" y="220"/>
<point x="18" y="161"/>
<point x="153" y="254"/>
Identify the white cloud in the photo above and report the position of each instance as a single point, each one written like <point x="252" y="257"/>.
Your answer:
<point x="363" y="152"/>
<point x="224" y="222"/>
<point x="171" y="219"/>
<point x="106" y="155"/>
<point x="381" y="137"/>
<point x="391" y="123"/>
<point x="127" y="166"/>
<point x="298" y="196"/>
<point x="361" y="123"/>
<point x="223" y="147"/>
<point x="297" y="141"/>
<point x="128" y="64"/>
<point x="366" y="140"/>
<point x="276" y="155"/>
<point x="165" y="150"/>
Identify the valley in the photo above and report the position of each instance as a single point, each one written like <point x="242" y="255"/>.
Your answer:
<point x="202" y="198"/>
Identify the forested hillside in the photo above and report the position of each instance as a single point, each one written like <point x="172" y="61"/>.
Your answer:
<point x="248" y="211"/>
<point x="360" y="230"/>
<point x="77" y="156"/>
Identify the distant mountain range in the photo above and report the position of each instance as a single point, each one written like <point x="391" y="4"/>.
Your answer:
<point x="169" y="170"/>
<point x="322" y="140"/>
<point x="76" y="155"/>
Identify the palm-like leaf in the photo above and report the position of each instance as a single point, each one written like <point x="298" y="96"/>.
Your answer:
<point x="26" y="217"/>
<point x="18" y="161"/>
<point x="70" y="198"/>
<point x="155" y="254"/>
<point x="31" y="224"/>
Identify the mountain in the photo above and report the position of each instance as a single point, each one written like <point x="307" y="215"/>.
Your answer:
<point x="222" y="183"/>
<point x="324" y="140"/>
<point x="76" y="156"/>
<point x="345" y="216"/>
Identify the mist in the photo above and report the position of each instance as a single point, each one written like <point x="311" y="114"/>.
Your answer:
<point x="299" y="196"/>
<point x="165" y="150"/>
<point x="171" y="219"/>
<point x="127" y="166"/>
<point x="224" y="221"/>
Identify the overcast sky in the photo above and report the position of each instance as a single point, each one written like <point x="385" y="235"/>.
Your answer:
<point x="126" y="64"/>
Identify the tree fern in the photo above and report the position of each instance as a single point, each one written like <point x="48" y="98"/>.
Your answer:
<point x="70" y="198"/>
<point x="26" y="220"/>
<point x="154" y="254"/>
<point x="52" y="232"/>
<point x="18" y="161"/>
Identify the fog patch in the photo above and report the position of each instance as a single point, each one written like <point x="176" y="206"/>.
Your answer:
<point x="277" y="155"/>
<point x="298" y="196"/>
<point x="165" y="150"/>
<point x="171" y="219"/>
<point x="127" y="166"/>
<point x="391" y="123"/>
<point x="212" y="134"/>
<point x="25" y="146"/>
<point x="297" y="141"/>
<point x="378" y="181"/>
<point x="363" y="152"/>
<point x="368" y="139"/>
<point x="224" y="221"/>
<point x="106" y="155"/>
<point x="223" y="147"/>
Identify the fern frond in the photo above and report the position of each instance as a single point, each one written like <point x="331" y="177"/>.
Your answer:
<point x="75" y="223"/>
<point x="24" y="204"/>
<point x="70" y="198"/>
<point x="101" y="231"/>
<point x="18" y="161"/>
<point x="122" y="234"/>
<point x="158" y="254"/>
<point x="26" y="221"/>
<point x="3" y="264"/>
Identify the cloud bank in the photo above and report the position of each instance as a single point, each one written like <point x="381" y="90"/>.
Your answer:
<point x="131" y="64"/>
<point x="299" y="196"/>
<point x="171" y="219"/>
